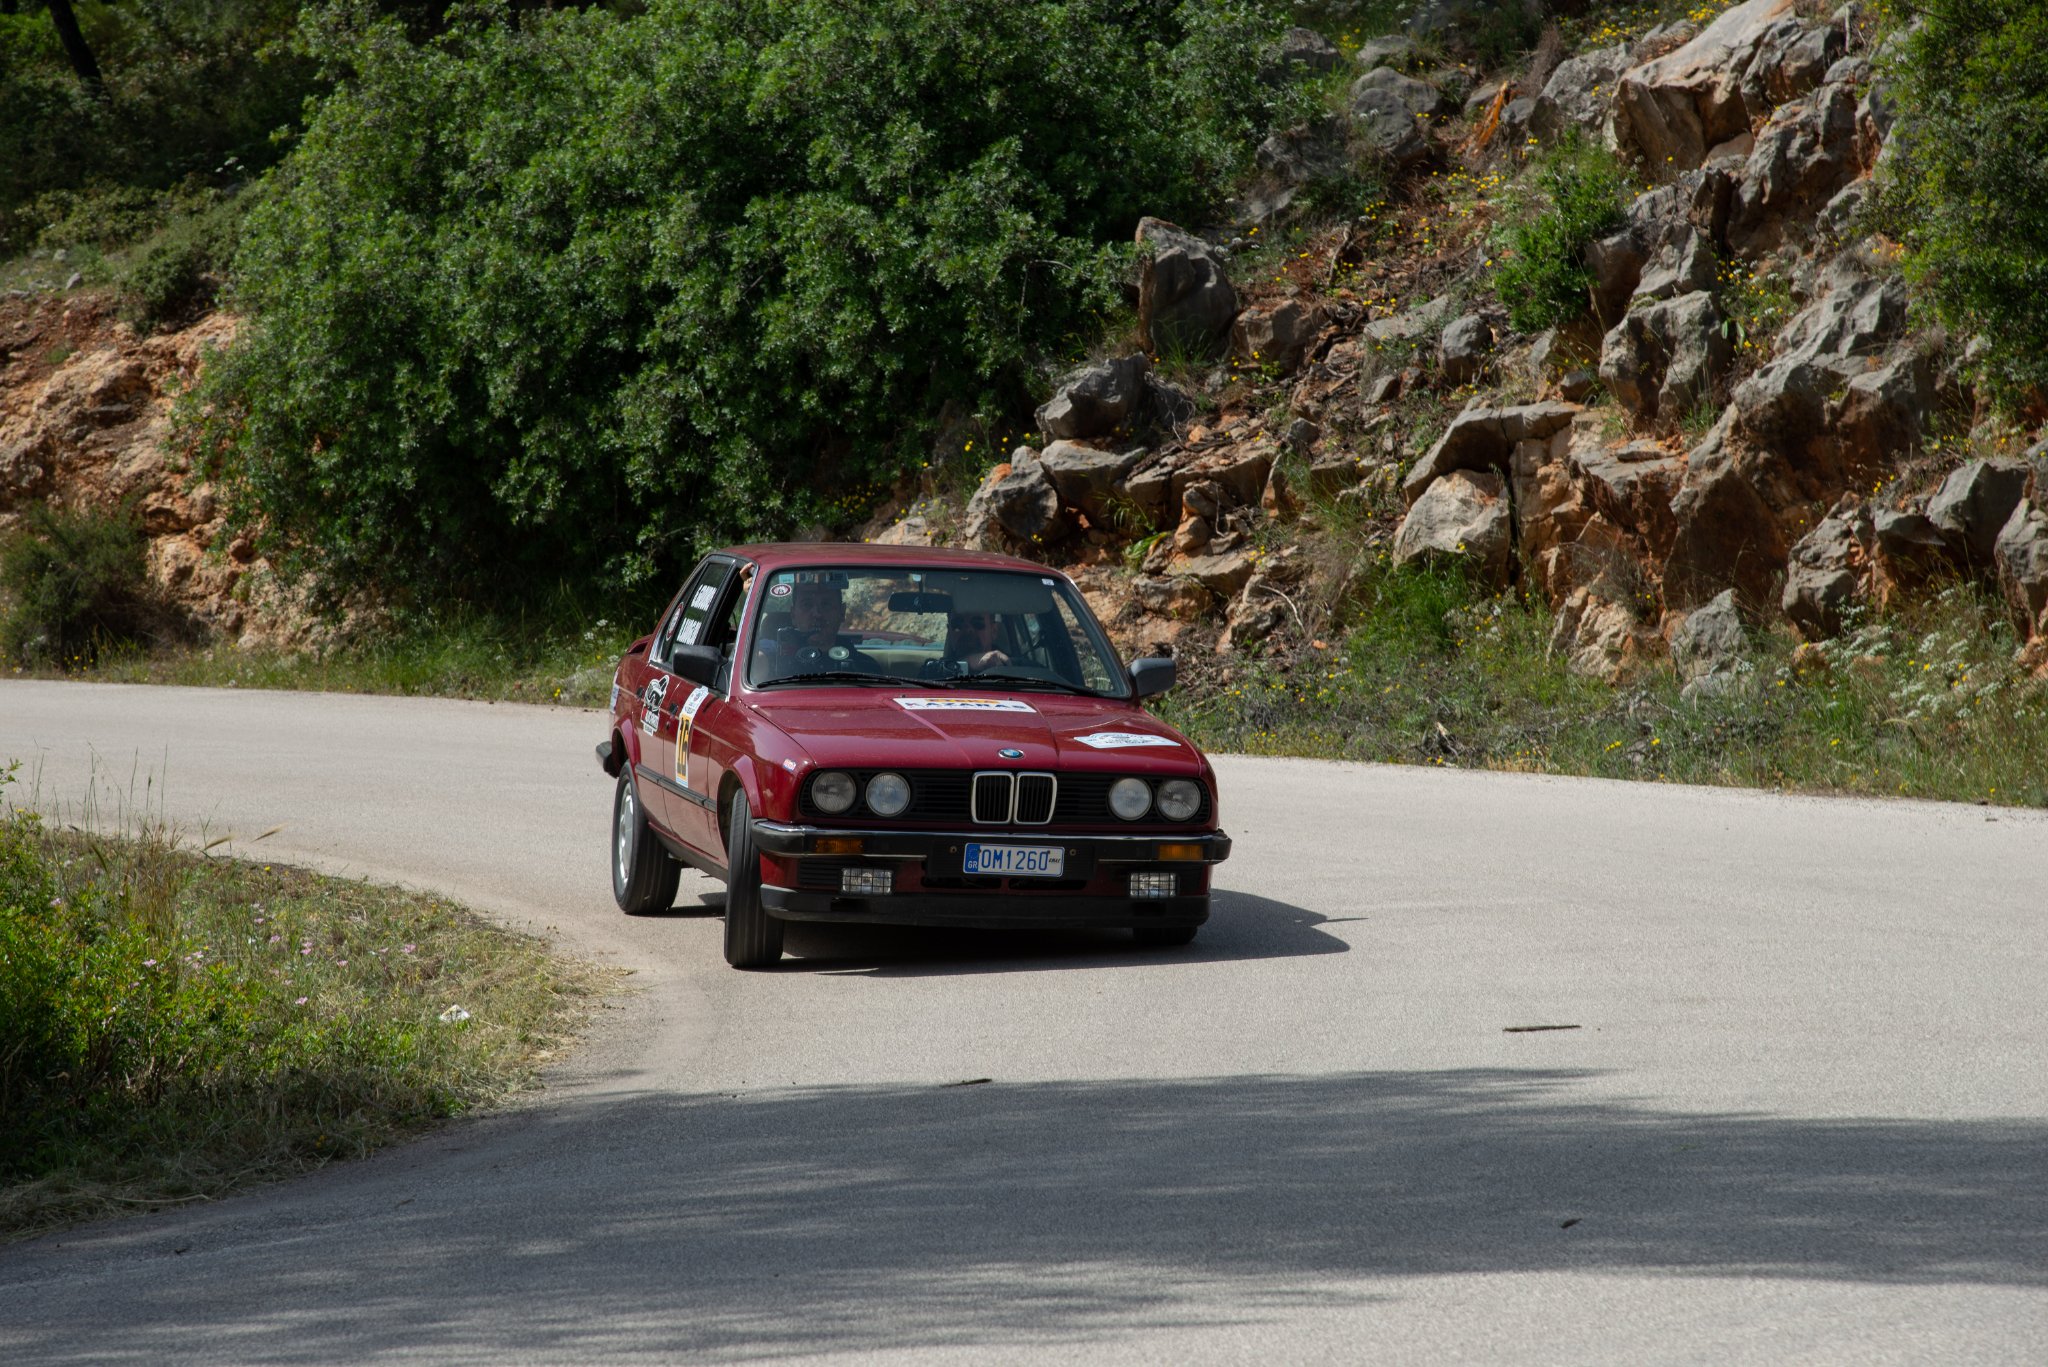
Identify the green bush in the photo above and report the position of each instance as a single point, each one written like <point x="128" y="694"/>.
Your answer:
<point x="190" y="90"/>
<point x="1966" y="184"/>
<point x="1540" y="250"/>
<point x="73" y="584"/>
<point x="574" y="298"/>
<point x="179" y="271"/>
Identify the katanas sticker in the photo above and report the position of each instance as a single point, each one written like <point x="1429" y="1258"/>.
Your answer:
<point x="964" y="705"/>
<point x="1125" y="740"/>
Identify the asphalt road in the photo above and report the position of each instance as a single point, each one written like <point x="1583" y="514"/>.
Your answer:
<point x="1803" y="1118"/>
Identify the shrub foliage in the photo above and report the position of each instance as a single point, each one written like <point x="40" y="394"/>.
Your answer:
<point x="73" y="583"/>
<point x="1966" y="189"/>
<point x="571" y="297"/>
<point x="1541" y="272"/>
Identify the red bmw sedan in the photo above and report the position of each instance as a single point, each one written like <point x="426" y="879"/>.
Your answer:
<point x="906" y="736"/>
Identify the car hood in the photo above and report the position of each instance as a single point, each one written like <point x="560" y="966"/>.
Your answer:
<point x="873" y="728"/>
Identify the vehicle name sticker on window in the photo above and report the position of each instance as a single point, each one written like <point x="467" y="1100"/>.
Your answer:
<point x="688" y="635"/>
<point x="701" y="599"/>
<point x="964" y="705"/>
<point x="1125" y="740"/>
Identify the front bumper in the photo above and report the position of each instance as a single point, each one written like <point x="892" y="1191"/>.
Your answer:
<point x="786" y="840"/>
<point x="929" y="890"/>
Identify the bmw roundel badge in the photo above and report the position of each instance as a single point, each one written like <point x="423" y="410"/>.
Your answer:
<point x="1009" y="754"/>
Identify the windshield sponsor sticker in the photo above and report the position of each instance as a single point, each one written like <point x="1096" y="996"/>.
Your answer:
<point x="964" y="705"/>
<point x="1125" y="740"/>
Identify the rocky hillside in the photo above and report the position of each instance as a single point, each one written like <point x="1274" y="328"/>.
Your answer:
<point x="84" y="420"/>
<point x="1745" y="427"/>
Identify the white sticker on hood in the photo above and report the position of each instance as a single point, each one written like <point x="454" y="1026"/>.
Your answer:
<point x="1125" y="740"/>
<point x="964" y="705"/>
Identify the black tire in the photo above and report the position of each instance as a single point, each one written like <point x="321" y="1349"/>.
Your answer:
<point x="644" y="875"/>
<point x="753" y="938"/>
<point x="1165" y="937"/>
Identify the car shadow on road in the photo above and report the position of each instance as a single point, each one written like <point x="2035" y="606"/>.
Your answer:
<point x="866" y="1219"/>
<point x="1241" y="926"/>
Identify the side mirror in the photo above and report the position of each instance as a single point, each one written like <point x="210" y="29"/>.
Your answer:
<point x="1149" y="678"/>
<point x="698" y="664"/>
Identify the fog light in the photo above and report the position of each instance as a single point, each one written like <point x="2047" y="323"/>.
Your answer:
<point x="866" y="882"/>
<point x="1154" y="884"/>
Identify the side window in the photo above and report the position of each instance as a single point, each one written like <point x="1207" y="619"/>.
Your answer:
<point x="689" y="621"/>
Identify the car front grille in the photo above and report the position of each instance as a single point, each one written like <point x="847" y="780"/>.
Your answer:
<point x="962" y="797"/>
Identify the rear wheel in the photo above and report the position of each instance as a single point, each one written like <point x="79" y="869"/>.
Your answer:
<point x="753" y="938"/>
<point x="644" y="875"/>
<point x="1165" y="937"/>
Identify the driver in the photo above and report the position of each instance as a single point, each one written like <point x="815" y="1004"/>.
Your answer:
<point x="971" y="640"/>
<point x="810" y="643"/>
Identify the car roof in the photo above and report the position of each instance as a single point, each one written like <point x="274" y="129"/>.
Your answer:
<point x="771" y="556"/>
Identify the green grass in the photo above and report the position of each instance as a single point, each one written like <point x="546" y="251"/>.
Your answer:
<point x="470" y="656"/>
<point x="175" y="1024"/>
<point x="1926" y="703"/>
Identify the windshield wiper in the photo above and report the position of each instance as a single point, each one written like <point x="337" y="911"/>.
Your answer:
<point x="840" y="676"/>
<point x="1023" y="681"/>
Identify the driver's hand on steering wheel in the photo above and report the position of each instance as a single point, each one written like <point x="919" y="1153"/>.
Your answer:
<point x="988" y="659"/>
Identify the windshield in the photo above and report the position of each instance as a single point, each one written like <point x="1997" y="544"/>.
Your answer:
<point x="942" y="628"/>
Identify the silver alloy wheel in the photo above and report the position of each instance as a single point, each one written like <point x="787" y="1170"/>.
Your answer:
<point x="622" y="839"/>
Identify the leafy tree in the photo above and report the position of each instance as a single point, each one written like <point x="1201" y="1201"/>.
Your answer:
<point x="572" y="297"/>
<point x="1965" y="187"/>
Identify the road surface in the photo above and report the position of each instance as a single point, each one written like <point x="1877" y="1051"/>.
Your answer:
<point x="1803" y="1118"/>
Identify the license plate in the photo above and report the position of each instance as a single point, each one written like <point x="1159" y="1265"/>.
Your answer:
<point x="1015" y="861"/>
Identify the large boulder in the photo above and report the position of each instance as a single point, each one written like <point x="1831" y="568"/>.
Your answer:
<point x="1711" y="640"/>
<point x="1632" y="484"/>
<point x="1580" y="93"/>
<point x="1384" y="122"/>
<point x="1276" y="335"/>
<point x="1185" y="299"/>
<point x="1018" y="499"/>
<point x="1090" y="480"/>
<point x="1725" y="537"/>
<point x="1802" y="159"/>
<point x="1825" y="570"/>
<point x="1464" y="517"/>
<point x="1421" y="99"/>
<point x="1794" y="403"/>
<point x="1600" y="637"/>
<point x="2022" y="559"/>
<point x="1791" y="58"/>
<point x="1674" y="109"/>
<point x="1483" y="438"/>
<point x="1908" y="550"/>
<point x="1304" y="50"/>
<point x="1974" y="504"/>
<point x="1462" y="351"/>
<point x="1664" y="361"/>
<point x="1099" y="400"/>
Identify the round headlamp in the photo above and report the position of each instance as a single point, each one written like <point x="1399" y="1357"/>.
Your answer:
<point x="1179" y="799"/>
<point x="833" y="792"/>
<point x="888" y="794"/>
<point x="1130" y="798"/>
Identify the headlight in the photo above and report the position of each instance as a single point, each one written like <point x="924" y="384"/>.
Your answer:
<point x="1179" y="799"/>
<point x="832" y="791"/>
<point x="1130" y="798"/>
<point x="888" y="794"/>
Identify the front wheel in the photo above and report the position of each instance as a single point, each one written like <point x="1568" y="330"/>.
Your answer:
<point x="644" y="875"/>
<point x="753" y="938"/>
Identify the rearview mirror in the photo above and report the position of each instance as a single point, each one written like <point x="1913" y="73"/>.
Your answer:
<point x="698" y="664"/>
<point x="920" y="602"/>
<point x="1149" y="678"/>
